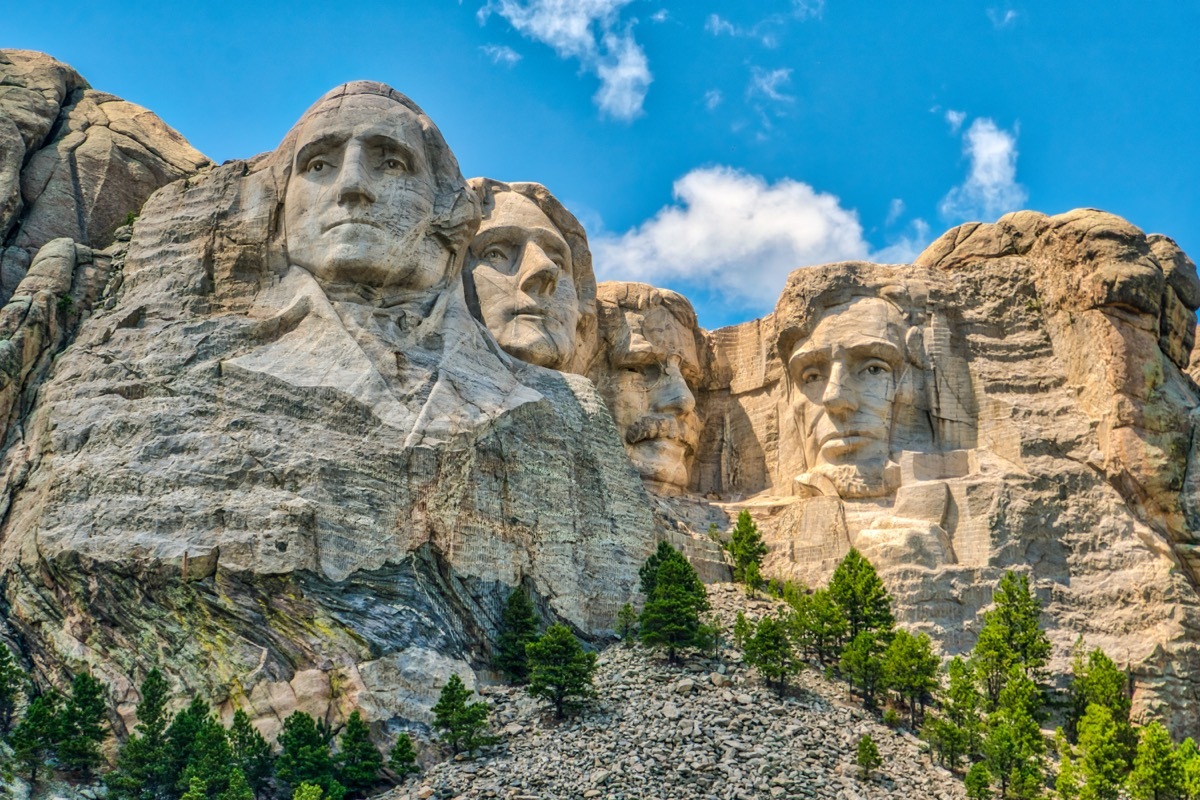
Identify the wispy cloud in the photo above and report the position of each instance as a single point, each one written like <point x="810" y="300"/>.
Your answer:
<point x="1002" y="17"/>
<point x="955" y="119"/>
<point x="717" y="26"/>
<point x="733" y="232"/>
<point x="662" y="15"/>
<point x="990" y="189"/>
<point x="895" y="211"/>
<point x="713" y="98"/>
<point x="501" y="54"/>
<point x="769" y="84"/>
<point x="591" y="32"/>
<point x="766" y="30"/>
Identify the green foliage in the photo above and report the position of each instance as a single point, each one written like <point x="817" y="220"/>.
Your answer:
<point x="34" y="739"/>
<point x="818" y="625"/>
<point x="559" y="669"/>
<point x="671" y="617"/>
<point x="1066" y="783"/>
<point x="742" y="628"/>
<point x="862" y="666"/>
<point x="1156" y="771"/>
<point x="891" y="718"/>
<point x="957" y="734"/>
<point x="305" y="756"/>
<point x="627" y="623"/>
<point x="978" y="782"/>
<point x="308" y="791"/>
<point x="910" y="668"/>
<point x="358" y="759"/>
<point x="518" y="627"/>
<point x="82" y="726"/>
<point x="143" y="768"/>
<point x="1188" y="756"/>
<point x="711" y="635"/>
<point x="181" y="738"/>
<point x="130" y="218"/>
<point x="239" y="788"/>
<point x="403" y="758"/>
<point x="197" y="789"/>
<point x="1097" y="680"/>
<point x="251" y="753"/>
<point x="752" y="578"/>
<point x="745" y="547"/>
<point x="12" y="683"/>
<point x="66" y="303"/>
<point x="769" y="649"/>
<point x="1101" y="763"/>
<point x="209" y="757"/>
<point x="856" y="589"/>
<point x="867" y="757"/>
<point x="460" y="722"/>
<point x="1013" y="747"/>
<point x="648" y="573"/>
<point x="1011" y="636"/>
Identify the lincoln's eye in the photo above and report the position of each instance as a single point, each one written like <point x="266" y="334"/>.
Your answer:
<point x="877" y="368"/>
<point x="811" y="375"/>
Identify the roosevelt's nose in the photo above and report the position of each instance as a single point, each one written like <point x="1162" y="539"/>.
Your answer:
<point x="537" y="273"/>
<point x="838" y="397"/>
<point x="354" y="183"/>
<point x="671" y="394"/>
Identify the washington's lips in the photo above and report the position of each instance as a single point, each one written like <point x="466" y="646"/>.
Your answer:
<point x="662" y="428"/>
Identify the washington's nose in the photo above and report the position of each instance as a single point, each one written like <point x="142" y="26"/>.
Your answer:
<point x="838" y="397"/>
<point x="671" y="394"/>
<point x="538" y="274"/>
<point x="354" y="184"/>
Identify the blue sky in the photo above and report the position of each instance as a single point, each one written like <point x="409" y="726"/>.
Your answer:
<point x="708" y="146"/>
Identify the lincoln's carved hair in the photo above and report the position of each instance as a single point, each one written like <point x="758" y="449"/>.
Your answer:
<point x="455" y="207"/>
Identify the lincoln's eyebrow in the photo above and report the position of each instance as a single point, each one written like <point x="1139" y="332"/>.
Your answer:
<point x="322" y="144"/>
<point x="881" y="349"/>
<point x="802" y="358"/>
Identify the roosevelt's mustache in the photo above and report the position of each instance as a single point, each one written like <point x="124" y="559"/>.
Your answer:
<point x="663" y="427"/>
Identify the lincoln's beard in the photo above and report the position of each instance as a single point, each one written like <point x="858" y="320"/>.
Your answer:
<point x="853" y="481"/>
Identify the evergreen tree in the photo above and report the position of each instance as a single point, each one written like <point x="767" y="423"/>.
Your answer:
<point x="627" y="623"/>
<point x="181" y="740"/>
<point x="305" y="756"/>
<point x="862" y="666"/>
<point x="12" y="682"/>
<point x="961" y="705"/>
<point x="81" y="726"/>
<point x="239" y="788"/>
<point x="209" y="758"/>
<point x="770" y="651"/>
<point x="196" y="790"/>
<point x="978" y="782"/>
<point x="856" y="589"/>
<point x="1011" y="636"/>
<point x="910" y="669"/>
<point x="742" y="628"/>
<point x="1013" y="746"/>
<point x="143" y="768"/>
<point x="251" y="753"/>
<point x="867" y="757"/>
<point x="745" y="547"/>
<point x="1156" y="772"/>
<point x="403" y="758"/>
<point x="713" y="635"/>
<point x="35" y="737"/>
<point x="358" y="759"/>
<point x="818" y="625"/>
<point x="1102" y="764"/>
<point x="559" y="669"/>
<point x="1066" y="783"/>
<point x="518" y="627"/>
<point x="752" y="578"/>
<point x="648" y="573"/>
<point x="461" y="723"/>
<point x="308" y="791"/>
<point x="671" y="617"/>
<point x="1097" y="680"/>
<point x="1188" y="756"/>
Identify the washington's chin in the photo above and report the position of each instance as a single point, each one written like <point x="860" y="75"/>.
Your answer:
<point x="662" y="463"/>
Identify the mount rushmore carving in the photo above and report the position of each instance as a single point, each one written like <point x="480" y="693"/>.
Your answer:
<point x="306" y="426"/>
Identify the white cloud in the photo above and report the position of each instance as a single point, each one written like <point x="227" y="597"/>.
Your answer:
<point x="895" y="211"/>
<point x="713" y="98"/>
<point x="770" y="83"/>
<point x="905" y="247"/>
<point x="955" y="119"/>
<point x="734" y="233"/>
<point x="716" y="26"/>
<point x="662" y="15"/>
<point x="990" y="189"/>
<point x="1002" y="18"/>
<point x="766" y="29"/>
<point x="501" y="54"/>
<point x="590" y="32"/>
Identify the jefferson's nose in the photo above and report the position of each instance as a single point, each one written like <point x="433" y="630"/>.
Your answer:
<point x="354" y="183"/>
<point x="671" y="394"/>
<point x="838" y="397"/>
<point x="538" y="274"/>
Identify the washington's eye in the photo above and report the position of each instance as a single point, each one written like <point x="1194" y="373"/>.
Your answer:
<point x="317" y="164"/>
<point x="393" y="163"/>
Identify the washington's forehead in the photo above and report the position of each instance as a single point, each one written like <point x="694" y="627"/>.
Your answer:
<point x="512" y="209"/>
<point x="360" y="114"/>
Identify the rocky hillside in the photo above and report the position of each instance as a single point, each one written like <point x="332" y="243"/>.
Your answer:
<point x="708" y="730"/>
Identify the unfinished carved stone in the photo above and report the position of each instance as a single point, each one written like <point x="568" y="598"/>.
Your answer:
<point x="529" y="278"/>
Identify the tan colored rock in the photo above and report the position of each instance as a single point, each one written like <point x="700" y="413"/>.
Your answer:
<point x="528" y="276"/>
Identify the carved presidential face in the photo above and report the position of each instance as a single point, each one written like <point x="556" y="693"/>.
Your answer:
<point x="646" y="386"/>
<point x="845" y="378"/>
<point x="519" y="266"/>
<point x="360" y="197"/>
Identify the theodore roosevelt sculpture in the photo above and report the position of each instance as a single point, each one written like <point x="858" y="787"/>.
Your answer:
<point x="528" y="276"/>
<point x="647" y="365"/>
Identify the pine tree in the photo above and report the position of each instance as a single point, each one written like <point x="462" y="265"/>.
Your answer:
<point x="627" y="623"/>
<point x="856" y="589"/>
<point x="962" y="706"/>
<point x="769" y="650"/>
<point x="143" y="767"/>
<point x="81" y="725"/>
<point x="752" y="578"/>
<point x="12" y="683"/>
<point x="403" y="758"/>
<point x="745" y="546"/>
<point x="358" y="759"/>
<point x="1011" y="636"/>
<point x="559" y="669"/>
<point x="518" y="627"/>
<point x="910" y="668"/>
<point x="305" y="756"/>
<point x="1096" y="680"/>
<point x="239" y="788"/>
<point x="210" y="758"/>
<point x="1156" y="772"/>
<point x="1013" y="747"/>
<point x="196" y="790"/>
<point x="1066" y="783"/>
<point x="671" y="617"/>
<point x="1188" y="755"/>
<point x="742" y="628"/>
<point x="251" y="753"/>
<point x="648" y="573"/>
<point x="862" y="666"/>
<point x="308" y="791"/>
<point x="978" y="783"/>
<point x="867" y="757"/>
<point x="1102" y="764"/>
<point x="818" y="625"/>
<point x="181" y="740"/>
<point x="461" y="723"/>
<point x="35" y="737"/>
